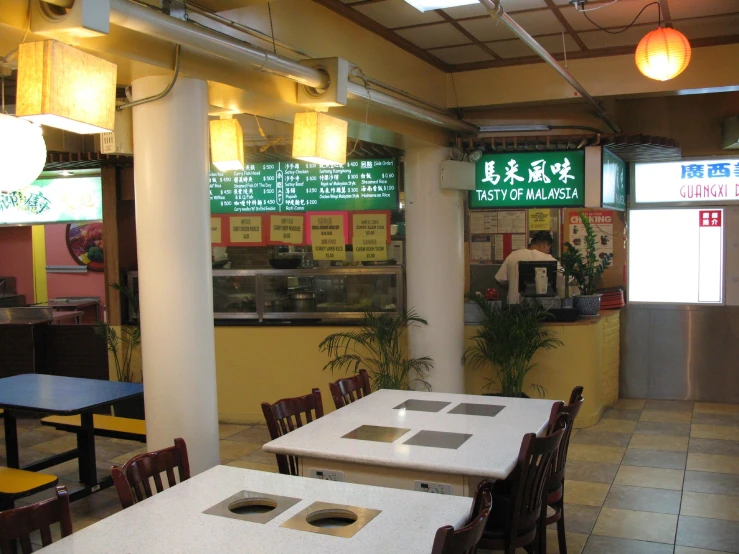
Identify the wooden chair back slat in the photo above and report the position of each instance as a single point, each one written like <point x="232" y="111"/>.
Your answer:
<point x="571" y="410"/>
<point x="465" y="539"/>
<point x="285" y="416"/>
<point x="19" y="523"/>
<point x="350" y="389"/>
<point x="132" y="481"/>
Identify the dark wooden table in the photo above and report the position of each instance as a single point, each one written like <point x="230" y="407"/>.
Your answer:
<point x="51" y="394"/>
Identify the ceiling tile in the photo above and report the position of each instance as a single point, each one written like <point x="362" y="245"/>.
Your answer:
<point x="517" y="5"/>
<point x="680" y="9"/>
<point x="518" y="49"/>
<point x="473" y="10"/>
<point x="487" y="29"/>
<point x="710" y="27"/>
<point x="600" y="39"/>
<point x="538" y="22"/>
<point x="620" y="14"/>
<point x="462" y="54"/>
<point x="435" y="35"/>
<point x="396" y="13"/>
<point x="554" y="45"/>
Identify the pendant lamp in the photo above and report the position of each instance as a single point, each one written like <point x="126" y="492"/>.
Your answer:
<point x="319" y="138"/>
<point x="227" y="144"/>
<point x="663" y="54"/>
<point x="63" y="87"/>
<point x="22" y="153"/>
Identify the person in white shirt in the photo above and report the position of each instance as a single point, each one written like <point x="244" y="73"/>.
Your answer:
<point x="539" y="250"/>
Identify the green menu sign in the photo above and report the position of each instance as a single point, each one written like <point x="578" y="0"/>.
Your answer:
<point x="53" y="201"/>
<point x="530" y="180"/>
<point x="300" y="186"/>
<point x="614" y="182"/>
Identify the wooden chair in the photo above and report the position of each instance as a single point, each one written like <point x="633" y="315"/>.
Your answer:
<point x="132" y="480"/>
<point x="514" y="519"/>
<point x="464" y="540"/>
<point x="347" y="390"/>
<point x="554" y="490"/>
<point x="19" y="523"/>
<point x="284" y="416"/>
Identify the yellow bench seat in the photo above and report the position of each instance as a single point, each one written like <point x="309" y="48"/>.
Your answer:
<point x="105" y="425"/>
<point x="16" y="483"/>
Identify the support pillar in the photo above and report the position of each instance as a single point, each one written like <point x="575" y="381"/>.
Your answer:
<point x="435" y="267"/>
<point x="175" y="278"/>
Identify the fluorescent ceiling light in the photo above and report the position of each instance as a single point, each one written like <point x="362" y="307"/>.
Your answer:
<point x="428" y="5"/>
<point x="512" y="128"/>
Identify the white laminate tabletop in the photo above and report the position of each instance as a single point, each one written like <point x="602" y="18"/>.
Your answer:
<point x="491" y="452"/>
<point x="172" y="521"/>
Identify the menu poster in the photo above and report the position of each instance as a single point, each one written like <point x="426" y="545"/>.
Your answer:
<point x="370" y="236"/>
<point x="286" y="229"/>
<point x="483" y="222"/>
<point x="602" y="223"/>
<point x="512" y="221"/>
<point x="327" y="236"/>
<point x="246" y="230"/>
<point x="216" y="234"/>
<point x="481" y="249"/>
<point x="539" y="220"/>
<point x="518" y="242"/>
<point x="499" y="251"/>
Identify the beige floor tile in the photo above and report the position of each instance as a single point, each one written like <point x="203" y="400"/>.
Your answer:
<point x="653" y="477"/>
<point x="123" y="458"/>
<point x="592" y="453"/>
<point x="713" y="506"/>
<point x="666" y="416"/>
<point x="721" y="432"/>
<point x="630" y="404"/>
<point x="711" y="408"/>
<point x="230" y="450"/>
<point x="614" y="426"/>
<point x="669" y="443"/>
<point x="57" y="445"/>
<point x="251" y="465"/>
<point x="644" y="526"/>
<point x="575" y="542"/>
<point x="228" y="429"/>
<point x="688" y="550"/>
<point x="587" y="494"/>
<point x="713" y="463"/>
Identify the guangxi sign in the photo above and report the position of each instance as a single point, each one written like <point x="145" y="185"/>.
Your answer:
<point x="530" y="180"/>
<point x="714" y="180"/>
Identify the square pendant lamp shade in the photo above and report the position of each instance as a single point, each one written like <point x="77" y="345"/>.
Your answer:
<point x="428" y="5"/>
<point x="63" y="87"/>
<point x="319" y="138"/>
<point x="226" y="144"/>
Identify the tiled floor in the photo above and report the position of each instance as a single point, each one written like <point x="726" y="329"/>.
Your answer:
<point x="652" y="477"/>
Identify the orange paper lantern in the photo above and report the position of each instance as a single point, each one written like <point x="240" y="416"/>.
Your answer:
<point x="663" y="54"/>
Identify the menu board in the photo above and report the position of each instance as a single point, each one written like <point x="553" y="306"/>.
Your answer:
<point x="286" y="229"/>
<point x="483" y="222"/>
<point x="327" y="237"/>
<point x="246" y="230"/>
<point x="301" y="186"/>
<point x="369" y="237"/>
<point x="481" y="249"/>
<point x="216" y="234"/>
<point x="512" y="222"/>
<point x="53" y="201"/>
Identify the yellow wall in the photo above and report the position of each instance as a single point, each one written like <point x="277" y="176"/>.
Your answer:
<point x="38" y="242"/>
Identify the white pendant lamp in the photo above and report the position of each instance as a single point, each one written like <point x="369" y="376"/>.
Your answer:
<point x="22" y="153"/>
<point x="227" y="144"/>
<point x="319" y="138"/>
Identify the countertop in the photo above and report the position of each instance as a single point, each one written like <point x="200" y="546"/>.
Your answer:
<point x="491" y="451"/>
<point x="173" y="520"/>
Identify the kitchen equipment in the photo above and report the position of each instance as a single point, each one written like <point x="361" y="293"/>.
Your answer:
<point x="541" y="280"/>
<point x="379" y="262"/>
<point x="284" y="263"/>
<point x="303" y="301"/>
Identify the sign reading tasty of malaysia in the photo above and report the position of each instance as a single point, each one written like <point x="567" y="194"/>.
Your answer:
<point x="530" y="180"/>
<point x="714" y="180"/>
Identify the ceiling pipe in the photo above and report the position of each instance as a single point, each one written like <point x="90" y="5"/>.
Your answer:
<point x="495" y="9"/>
<point x="143" y="19"/>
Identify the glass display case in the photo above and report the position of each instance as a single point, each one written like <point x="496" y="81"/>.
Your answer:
<point x="336" y="293"/>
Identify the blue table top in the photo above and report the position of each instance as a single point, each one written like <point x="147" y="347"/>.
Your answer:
<point x="62" y="395"/>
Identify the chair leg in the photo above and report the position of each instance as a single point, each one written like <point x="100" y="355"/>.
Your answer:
<point x="561" y="538"/>
<point x="541" y="533"/>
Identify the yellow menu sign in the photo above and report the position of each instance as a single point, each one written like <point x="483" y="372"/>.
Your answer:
<point x="369" y="237"/>
<point x="215" y="230"/>
<point x="539" y="220"/>
<point x="246" y="230"/>
<point x="327" y="236"/>
<point x="286" y="229"/>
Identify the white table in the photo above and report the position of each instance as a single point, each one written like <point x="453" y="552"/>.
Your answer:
<point x="490" y="452"/>
<point x="172" y="521"/>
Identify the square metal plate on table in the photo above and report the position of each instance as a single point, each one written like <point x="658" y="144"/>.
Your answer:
<point x="488" y="410"/>
<point x="376" y="433"/>
<point x="438" y="439"/>
<point x="284" y="503"/>
<point x="422" y="405"/>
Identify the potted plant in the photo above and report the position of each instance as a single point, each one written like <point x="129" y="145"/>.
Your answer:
<point x="570" y="259"/>
<point x="587" y="271"/>
<point x="506" y="341"/>
<point x="122" y="344"/>
<point x="376" y="347"/>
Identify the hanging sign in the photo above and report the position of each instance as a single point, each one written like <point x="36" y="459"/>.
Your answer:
<point x="216" y="236"/>
<point x="539" y="220"/>
<point x="246" y="230"/>
<point x="327" y="237"/>
<point x="530" y="179"/>
<point x="370" y="236"/>
<point x="715" y="180"/>
<point x="286" y="229"/>
<point x="613" y="182"/>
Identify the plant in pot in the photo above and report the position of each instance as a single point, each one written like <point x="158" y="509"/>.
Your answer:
<point x="506" y="342"/>
<point x="122" y="344"/>
<point x="587" y="271"/>
<point x="376" y="347"/>
<point x="569" y="261"/>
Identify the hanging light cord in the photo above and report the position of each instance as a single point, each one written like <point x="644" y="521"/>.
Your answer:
<point x="659" y="19"/>
<point x="368" y="88"/>
<point x="271" y="26"/>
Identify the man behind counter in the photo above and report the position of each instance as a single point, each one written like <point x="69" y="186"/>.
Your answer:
<point x="539" y="250"/>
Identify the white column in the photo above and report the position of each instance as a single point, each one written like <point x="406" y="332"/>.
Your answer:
<point x="435" y="267"/>
<point x="175" y="286"/>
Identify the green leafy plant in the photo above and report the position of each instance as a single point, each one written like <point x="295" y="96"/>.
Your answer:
<point x="570" y="260"/>
<point x="121" y="344"/>
<point x="376" y="347"/>
<point x="506" y="341"/>
<point x="588" y="269"/>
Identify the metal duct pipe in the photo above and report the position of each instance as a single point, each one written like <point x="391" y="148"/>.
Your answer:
<point x="496" y="12"/>
<point x="61" y="3"/>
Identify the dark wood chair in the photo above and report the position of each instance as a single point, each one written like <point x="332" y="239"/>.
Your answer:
<point x="17" y="525"/>
<point x="347" y="390"/>
<point x="286" y="415"/>
<point x="518" y="501"/>
<point x="464" y="540"/>
<point x="555" y="487"/>
<point x="132" y="481"/>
